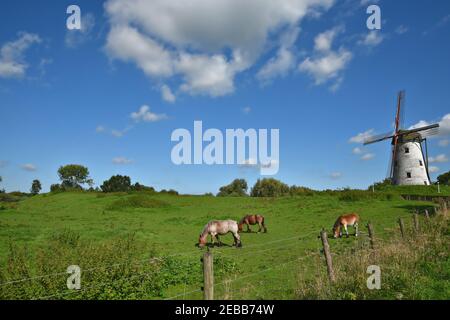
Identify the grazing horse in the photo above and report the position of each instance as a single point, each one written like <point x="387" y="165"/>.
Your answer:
<point x="252" y="219"/>
<point x="219" y="227"/>
<point x="351" y="219"/>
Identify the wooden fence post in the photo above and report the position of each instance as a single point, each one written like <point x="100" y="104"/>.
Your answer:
<point x="208" y="276"/>
<point x="371" y="235"/>
<point x="416" y="222"/>
<point x="326" y="251"/>
<point x="444" y="208"/>
<point x="427" y="215"/>
<point x="402" y="227"/>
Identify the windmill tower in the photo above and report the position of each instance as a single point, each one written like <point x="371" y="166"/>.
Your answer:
<point x="409" y="160"/>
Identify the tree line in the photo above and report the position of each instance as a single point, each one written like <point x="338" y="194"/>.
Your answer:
<point x="76" y="177"/>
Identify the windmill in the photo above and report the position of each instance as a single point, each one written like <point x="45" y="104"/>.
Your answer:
<point x="409" y="161"/>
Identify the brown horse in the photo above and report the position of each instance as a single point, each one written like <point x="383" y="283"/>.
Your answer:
<point x="219" y="227"/>
<point x="351" y="219"/>
<point x="252" y="219"/>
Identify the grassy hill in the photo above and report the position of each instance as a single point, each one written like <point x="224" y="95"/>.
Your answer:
<point x="142" y="245"/>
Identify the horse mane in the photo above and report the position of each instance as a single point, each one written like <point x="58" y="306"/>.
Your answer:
<point x="337" y="224"/>
<point x="205" y="230"/>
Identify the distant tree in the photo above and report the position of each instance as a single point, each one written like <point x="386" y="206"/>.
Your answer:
<point x="140" y="187"/>
<point x="269" y="187"/>
<point x="1" y="190"/>
<point x="380" y="185"/>
<point x="73" y="176"/>
<point x="56" y="187"/>
<point x="116" y="183"/>
<point x="237" y="188"/>
<point x="300" y="191"/>
<point x="170" y="191"/>
<point x="444" y="179"/>
<point x="35" y="187"/>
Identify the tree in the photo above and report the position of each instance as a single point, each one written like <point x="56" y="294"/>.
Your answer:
<point x="269" y="187"/>
<point x="35" y="187"/>
<point x="56" y="187"/>
<point x="444" y="179"/>
<point x="1" y="190"/>
<point x="72" y="176"/>
<point x="237" y="188"/>
<point x="140" y="187"/>
<point x="381" y="185"/>
<point x="116" y="183"/>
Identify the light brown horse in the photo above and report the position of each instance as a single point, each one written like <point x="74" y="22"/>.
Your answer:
<point x="350" y="219"/>
<point x="219" y="227"/>
<point x="252" y="219"/>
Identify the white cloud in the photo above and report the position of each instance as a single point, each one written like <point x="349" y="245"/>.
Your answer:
<point x="368" y="156"/>
<point x="335" y="175"/>
<point x="326" y="64"/>
<point x="433" y="169"/>
<point x="114" y="132"/>
<point x="122" y="160"/>
<point x="117" y="133"/>
<point x="205" y="74"/>
<point x="372" y="39"/>
<point x="421" y="123"/>
<point x="357" y="151"/>
<point x="440" y="158"/>
<point x="144" y="114"/>
<point x="77" y="37"/>
<point x="193" y="39"/>
<point x="283" y="62"/>
<point x="324" y="41"/>
<point x="401" y="29"/>
<point x="444" y="125"/>
<point x="326" y="67"/>
<point x="128" y="44"/>
<point x="361" y="137"/>
<point x="277" y="66"/>
<point x="12" y="62"/>
<point x="29" y="167"/>
<point x="246" y="110"/>
<point x="444" y="143"/>
<point x="167" y="94"/>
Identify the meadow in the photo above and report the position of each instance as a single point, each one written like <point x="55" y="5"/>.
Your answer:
<point x="141" y="245"/>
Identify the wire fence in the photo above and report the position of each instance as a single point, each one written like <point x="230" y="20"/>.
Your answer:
<point x="287" y="243"/>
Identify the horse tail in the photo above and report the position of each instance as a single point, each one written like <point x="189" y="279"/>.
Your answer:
<point x="263" y="224"/>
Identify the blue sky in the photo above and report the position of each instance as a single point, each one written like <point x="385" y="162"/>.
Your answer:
<point x="309" y="68"/>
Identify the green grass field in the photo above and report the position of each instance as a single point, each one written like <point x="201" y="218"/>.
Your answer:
<point x="46" y="233"/>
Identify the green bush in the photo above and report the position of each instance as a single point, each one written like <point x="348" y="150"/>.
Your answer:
<point x="56" y="187"/>
<point x="170" y="191"/>
<point x="237" y="188"/>
<point x="122" y="268"/>
<point x="269" y="187"/>
<point x="117" y="183"/>
<point x="300" y="191"/>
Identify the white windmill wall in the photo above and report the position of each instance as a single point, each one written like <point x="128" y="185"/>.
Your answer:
<point x="410" y="166"/>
